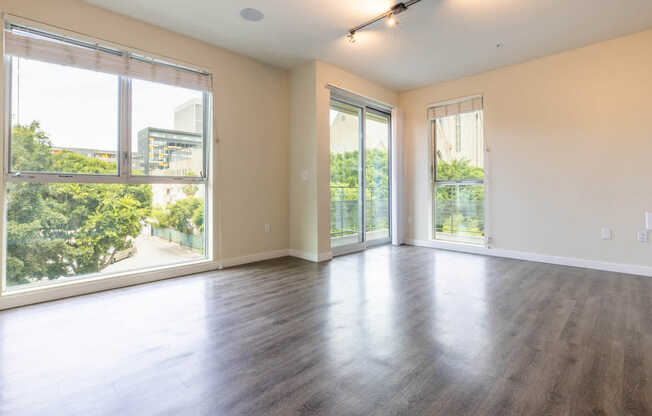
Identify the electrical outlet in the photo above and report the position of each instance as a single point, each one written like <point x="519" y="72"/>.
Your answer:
<point x="268" y="228"/>
<point x="642" y="236"/>
<point x="607" y="234"/>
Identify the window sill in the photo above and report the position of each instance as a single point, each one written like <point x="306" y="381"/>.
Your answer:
<point x="22" y="296"/>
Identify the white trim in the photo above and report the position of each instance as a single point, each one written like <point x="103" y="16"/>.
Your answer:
<point x="541" y="258"/>
<point x="71" y="288"/>
<point x="313" y="257"/>
<point x="326" y="256"/>
<point x="253" y="258"/>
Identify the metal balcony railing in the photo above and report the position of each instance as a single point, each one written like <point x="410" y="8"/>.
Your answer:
<point x="345" y="210"/>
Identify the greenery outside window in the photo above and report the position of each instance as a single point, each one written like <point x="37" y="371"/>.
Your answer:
<point x="101" y="177"/>
<point x="457" y="152"/>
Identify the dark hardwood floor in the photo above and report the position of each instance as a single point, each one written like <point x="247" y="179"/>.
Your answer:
<point x="406" y="330"/>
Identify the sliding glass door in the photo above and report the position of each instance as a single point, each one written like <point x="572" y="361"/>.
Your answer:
<point x="359" y="172"/>
<point x="376" y="178"/>
<point x="346" y="162"/>
<point x="458" y="171"/>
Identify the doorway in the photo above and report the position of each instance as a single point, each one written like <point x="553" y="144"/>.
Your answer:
<point x="360" y="172"/>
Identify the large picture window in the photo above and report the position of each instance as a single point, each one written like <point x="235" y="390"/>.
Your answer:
<point x="457" y="151"/>
<point x="106" y="161"/>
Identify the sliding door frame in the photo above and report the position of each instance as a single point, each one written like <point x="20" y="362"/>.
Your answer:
<point x="362" y="243"/>
<point x="381" y="113"/>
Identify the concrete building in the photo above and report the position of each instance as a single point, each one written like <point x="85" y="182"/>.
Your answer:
<point x="162" y="149"/>
<point x="189" y="116"/>
<point x="105" y="155"/>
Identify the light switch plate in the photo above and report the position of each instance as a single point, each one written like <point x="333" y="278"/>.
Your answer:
<point x="606" y="234"/>
<point x="642" y="236"/>
<point x="648" y="221"/>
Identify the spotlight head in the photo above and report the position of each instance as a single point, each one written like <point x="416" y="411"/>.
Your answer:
<point x="351" y="37"/>
<point x="391" y="20"/>
<point x="399" y="8"/>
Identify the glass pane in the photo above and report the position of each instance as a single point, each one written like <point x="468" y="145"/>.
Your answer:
<point x="167" y="130"/>
<point x="63" y="119"/>
<point x="72" y="230"/>
<point x="376" y="176"/>
<point x="459" y="213"/>
<point x="345" y="174"/>
<point x="459" y="147"/>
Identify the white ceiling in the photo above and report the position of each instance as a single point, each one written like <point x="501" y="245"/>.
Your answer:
<point x="436" y="40"/>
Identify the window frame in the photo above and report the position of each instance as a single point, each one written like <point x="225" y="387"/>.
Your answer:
<point x="432" y="150"/>
<point x="123" y="176"/>
<point x="123" y="153"/>
<point x="363" y="107"/>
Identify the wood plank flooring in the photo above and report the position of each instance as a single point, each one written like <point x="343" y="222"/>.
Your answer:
<point x="391" y="331"/>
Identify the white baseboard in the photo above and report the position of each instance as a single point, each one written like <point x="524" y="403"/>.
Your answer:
<point x="252" y="258"/>
<point x="313" y="257"/>
<point x="328" y="255"/>
<point x="541" y="258"/>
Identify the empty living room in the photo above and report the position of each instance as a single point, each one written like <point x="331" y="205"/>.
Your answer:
<point x="366" y="207"/>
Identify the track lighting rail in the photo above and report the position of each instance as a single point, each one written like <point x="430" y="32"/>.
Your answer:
<point x="396" y="9"/>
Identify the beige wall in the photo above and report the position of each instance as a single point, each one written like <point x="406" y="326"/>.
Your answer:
<point x="251" y="102"/>
<point x="310" y="151"/>
<point x="303" y="172"/>
<point x="571" y="151"/>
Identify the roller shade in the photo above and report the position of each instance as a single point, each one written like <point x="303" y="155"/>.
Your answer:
<point x="464" y="106"/>
<point x="95" y="58"/>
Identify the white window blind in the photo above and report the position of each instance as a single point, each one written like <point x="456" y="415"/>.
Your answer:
<point x="96" y="58"/>
<point x="463" y="106"/>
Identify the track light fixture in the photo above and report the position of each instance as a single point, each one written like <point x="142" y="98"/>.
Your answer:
<point x="390" y="15"/>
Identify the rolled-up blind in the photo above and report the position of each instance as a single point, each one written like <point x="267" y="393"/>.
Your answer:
<point x="77" y="54"/>
<point x="459" y="107"/>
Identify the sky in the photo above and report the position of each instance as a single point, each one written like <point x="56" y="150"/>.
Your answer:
<point x="377" y="133"/>
<point x="79" y="108"/>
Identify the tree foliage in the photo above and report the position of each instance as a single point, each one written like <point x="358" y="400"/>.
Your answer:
<point x="185" y="215"/>
<point x="457" y="170"/>
<point x="345" y="180"/>
<point x="61" y="229"/>
<point x="459" y="207"/>
<point x="345" y="190"/>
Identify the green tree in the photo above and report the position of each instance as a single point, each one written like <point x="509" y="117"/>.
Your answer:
<point x="345" y="189"/>
<point x="30" y="149"/>
<point x="185" y="215"/>
<point x="459" y="208"/>
<point x="61" y="229"/>
<point x="457" y="169"/>
<point x="190" y="190"/>
<point x="198" y="216"/>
